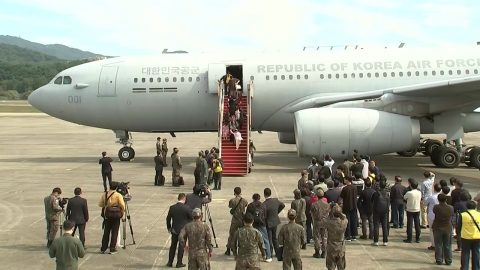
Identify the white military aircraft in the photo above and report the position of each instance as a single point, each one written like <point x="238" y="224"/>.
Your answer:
<point x="325" y="102"/>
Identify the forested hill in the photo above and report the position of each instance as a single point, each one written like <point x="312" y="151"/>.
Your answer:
<point x="22" y="70"/>
<point x="57" y="50"/>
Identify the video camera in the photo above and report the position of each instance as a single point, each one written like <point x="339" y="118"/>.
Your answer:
<point x="201" y="190"/>
<point x="62" y="202"/>
<point x="123" y="189"/>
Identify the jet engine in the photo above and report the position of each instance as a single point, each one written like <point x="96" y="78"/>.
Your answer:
<point x="339" y="131"/>
<point x="286" y="138"/>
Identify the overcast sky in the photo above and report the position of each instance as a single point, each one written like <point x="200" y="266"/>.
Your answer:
<point x="121" y="27"/>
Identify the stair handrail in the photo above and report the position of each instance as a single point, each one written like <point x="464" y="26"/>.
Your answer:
<point x="220" y="116"/>
<point x="249" y="119"/>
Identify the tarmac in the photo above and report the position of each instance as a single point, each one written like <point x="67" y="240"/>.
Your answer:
<point x="39" y="153"/>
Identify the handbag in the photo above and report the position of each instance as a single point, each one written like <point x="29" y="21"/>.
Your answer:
<point x="112" y="212"/>
<point x="232" y="211"/>
<point x="238" y="87"/>
<point x="474" y="221"/>
<point x="280" y="254"/>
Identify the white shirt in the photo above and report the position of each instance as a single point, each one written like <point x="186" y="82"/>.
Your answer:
<point x="413" y="199"/>
<point x="365" y="168"/>
<point x="431" y="202"/>
<point x="238" y="136"/>
<point x="329" y="164"/>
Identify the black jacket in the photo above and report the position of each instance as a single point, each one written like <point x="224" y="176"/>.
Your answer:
<point x="251" y="209"/>
<point x="77" y="210"/>
<point x="274" y="207"/>
<point x="194" y="201"/>
<point x="159" y="163"/>
<point x="178" y="216"/>
<point x="365" y="201"/>
<point x="106" y="166"/>
<point x="396" y="193"/>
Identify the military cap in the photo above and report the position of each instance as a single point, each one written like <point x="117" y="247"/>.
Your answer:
<point x="337" y="210"/>
<point x="196" y="212"/>
<point x="297" y="191"/>
<point x="320" y="192"/>
<point x="292" y="213"/>
<point x="304" y="172"/>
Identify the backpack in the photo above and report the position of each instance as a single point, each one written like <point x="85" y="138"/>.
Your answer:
<point x="258" y="214"/>
<point x="325" y="172"/>
<point x="221" y="163"/>
<point x="383" y="202"/>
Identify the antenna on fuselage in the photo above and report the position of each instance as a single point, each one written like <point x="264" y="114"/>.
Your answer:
<point x="401" y="45"/>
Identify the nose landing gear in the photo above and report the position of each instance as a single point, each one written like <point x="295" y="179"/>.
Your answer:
<point x="126" y="153"/>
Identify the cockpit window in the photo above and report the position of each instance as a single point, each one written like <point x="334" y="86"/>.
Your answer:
<point x="58" y="80"/>
<point x="67" y="80"/>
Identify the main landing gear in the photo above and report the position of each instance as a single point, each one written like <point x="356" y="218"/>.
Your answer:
<point x="126" y="153"/>
<point x="447" y="154"/>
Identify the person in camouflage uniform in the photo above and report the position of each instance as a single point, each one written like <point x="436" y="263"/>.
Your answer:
<point x="199" y="240"/>
<point x="336" y="226"/>
<point x="52" y="214"/>
<point x="300" y="206"/>
<point x="164" y="151"/>
<point x="320" y="211"/>
<point x="177" y="166"/>
<point x="246" y="242"/>
<point x="237" y="207"/>
<point x="292" y="237"/>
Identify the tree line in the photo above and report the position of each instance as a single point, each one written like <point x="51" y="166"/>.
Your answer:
<point x="18" y="80"/>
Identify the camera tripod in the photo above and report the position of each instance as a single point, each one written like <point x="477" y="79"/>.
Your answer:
<point x="127" y="213"/>
<point x="61" y="219"/>
<point x="207" y="213"/>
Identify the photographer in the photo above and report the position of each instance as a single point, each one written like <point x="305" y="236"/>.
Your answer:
<point x="53" y="206"/>
<point x="201" y="195"/>
<point x="113" y="209"/>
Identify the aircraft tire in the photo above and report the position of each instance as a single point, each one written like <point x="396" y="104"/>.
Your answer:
<point x="126" y="153"/>
<point x="431" y="145"/>
<point x="408" y="153"/>
<point x="445" y="157"/>
<point x="474" y="158"/>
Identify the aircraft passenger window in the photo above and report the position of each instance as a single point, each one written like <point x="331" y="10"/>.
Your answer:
<point x="275" y="77"/>
<point x="159" y="79"/>
<point x="409" y="74"/>
<point x="143" y="80"/>
<point x="442" y="72"/>
<point x="197" y="79"/>
<point x="252" y="78"/>
<point x="298" y="77"/>
<point x="151" y="80"/>
<point x="182" y="79"/>
<point x="290" y="77"/>
<point x="475" y="71"/>
<point x="425" y="73"/>
<point x="189" y="79"/>
<point x="166" y="79"/>
<point x="329" y="76"/>
<point x="321" y="76"/>
<point x="384" y="74"/>
<point x="369" y="75"/>
<point x="174" y="79"/>
<point x="434" y="73"/>
<point x="361" y="75"/>
<point x="450" y="72"/>
<point x="283" y="77"/>
<point x="467" y="71"/>
<point x="353" y="75"/>
<point x="306" y="77"/>
<point x="267" y="77"/>
<point x="459" y="72"/>
<point x="58" y="80"/>
<point x="345" y="75"/>
<point x="417" y="73"/>
<point x="400" y="74"/>
<point x="67" y="80"/>
<point x="135" y="80"/>
<point x="393" y="74"/>
<point x="337" y="76"/>
<point x="376" y="74"/>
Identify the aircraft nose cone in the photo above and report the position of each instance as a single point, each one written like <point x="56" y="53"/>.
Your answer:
<point x="36" y="99"/>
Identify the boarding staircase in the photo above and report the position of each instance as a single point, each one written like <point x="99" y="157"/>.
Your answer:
<point x="235" y="161"/>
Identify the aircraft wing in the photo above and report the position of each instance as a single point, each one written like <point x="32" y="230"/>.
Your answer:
<point x="454" y="87"/>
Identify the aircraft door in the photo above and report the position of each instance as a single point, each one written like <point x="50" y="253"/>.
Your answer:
<point x="107" y="85"/>
<point x="215" y="73"/>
